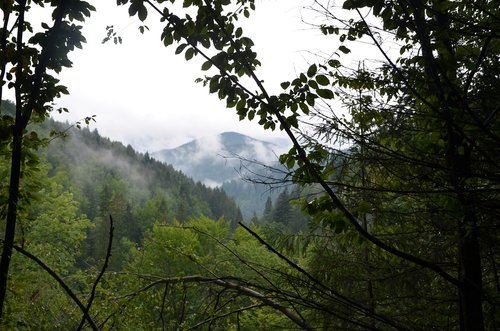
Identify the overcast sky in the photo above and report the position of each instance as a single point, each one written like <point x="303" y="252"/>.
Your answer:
<point x="144" y="95"/>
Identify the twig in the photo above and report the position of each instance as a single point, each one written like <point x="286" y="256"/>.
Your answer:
<point x="344" y="299"/>
<point x="233" y="286"/>
<point x="163" y="307"/>
<point x="61" y="282"/>
<point x="237" y="311"/>
<point x="101" y="273"/>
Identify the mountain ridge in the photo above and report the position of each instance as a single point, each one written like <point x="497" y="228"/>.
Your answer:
<point x="212" y="160"/>
<point x="225" y="161"/>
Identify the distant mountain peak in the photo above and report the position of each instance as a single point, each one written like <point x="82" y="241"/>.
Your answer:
<point x="214" y="160"/>
<point x="231" y="135"/>
<point x="210" y="159"/>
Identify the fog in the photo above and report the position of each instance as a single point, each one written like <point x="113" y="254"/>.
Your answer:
<point x="215" y="159"/>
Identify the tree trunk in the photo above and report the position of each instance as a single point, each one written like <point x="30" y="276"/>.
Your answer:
<point x="470" y="273"/>
<point x="10" y="225"/>
<point x="15" y="169"/>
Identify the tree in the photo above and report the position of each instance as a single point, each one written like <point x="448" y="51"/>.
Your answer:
<point x="53" y="229"/>
<point x="28" y="57"/>
<point x="421" y="126"/>
<point x="269" y="207"/>
<point x="235" y="272"/>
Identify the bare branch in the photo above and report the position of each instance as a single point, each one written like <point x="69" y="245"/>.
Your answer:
<point x="232" y="312"/>
<point x="233" y="286"/>
<point x="61" y="282"/>
<point x="101" y="273"/>
<point x="295" y="266"/>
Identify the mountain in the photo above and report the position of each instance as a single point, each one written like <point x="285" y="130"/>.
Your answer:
<point x="219" y="159"/>
<point x="226" y="160"/>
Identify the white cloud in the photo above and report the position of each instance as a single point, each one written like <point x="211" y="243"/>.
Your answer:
<point x="264" y="154"/>
<point x="208" y="146"/>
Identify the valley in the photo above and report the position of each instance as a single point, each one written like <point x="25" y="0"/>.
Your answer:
<point x="234" y="162"/>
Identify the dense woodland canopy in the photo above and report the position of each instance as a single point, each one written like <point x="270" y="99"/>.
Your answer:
<point x="392" y="223"/>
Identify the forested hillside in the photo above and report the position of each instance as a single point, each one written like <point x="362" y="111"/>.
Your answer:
<point x="107" y="178"/>
<point x="165" y="226"/>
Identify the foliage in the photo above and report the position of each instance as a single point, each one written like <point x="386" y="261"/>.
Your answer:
<point x="53" y="229"/>
<point x="29" y="58"/>
<point x="171" y="281"/>
<point x="137" y="190"/>
<point x="284" y="216"/>
<point x="418" y="179"/>
<point x="403" y="217"/>
<point x="105" y="178"/>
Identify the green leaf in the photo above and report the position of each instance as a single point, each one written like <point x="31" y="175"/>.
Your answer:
<point x="304" y="108"/>
<point x="312" y="70"/>
<point x="313" y="84"/>
<point x="246" y="41"/>
<point x="251" y="115"/>
<point x="132" y="10"/>
<point x="325" y="94"/>
<point x="334" y="63"/>
<point x="205" y="42"/>
<point x="241" y="104"/>
<point x="214" y="84"/>
<point x="189" y="54"/>
<point x="142" y="12"/>
<point x="348" y="4"/>
<point x="285" y="85"/>
<point x="207" y="65"/>
<point x="239" y="32"/>
<point x="310" y="99"/>
<point x="230" y="103"/>
<point x="322" y="80"/>
<point x="292" y="121"/>
<point x="344" y="49"/>
<point x="168" y="39"/>
<point x="180" y="49"/>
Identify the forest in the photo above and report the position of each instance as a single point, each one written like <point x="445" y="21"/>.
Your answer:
<point x="388" y="219"/>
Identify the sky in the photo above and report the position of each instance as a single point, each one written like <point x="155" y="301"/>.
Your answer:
<point x="144" y="95"/>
